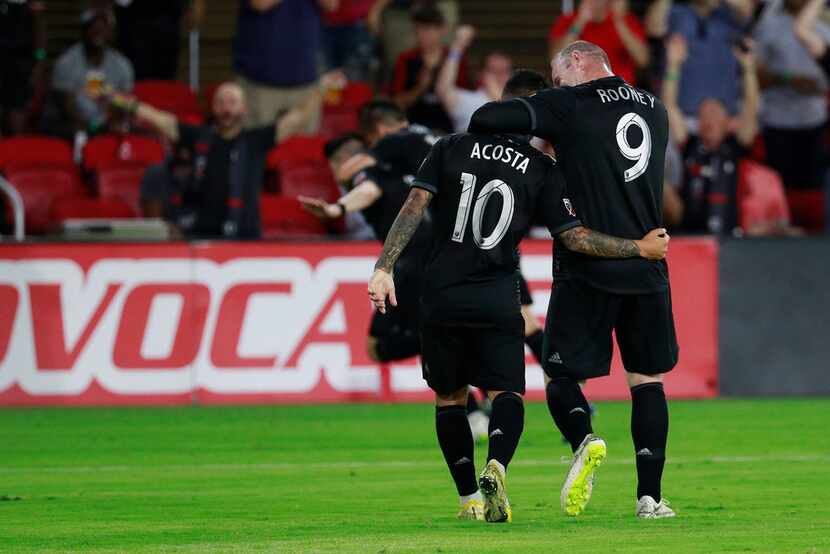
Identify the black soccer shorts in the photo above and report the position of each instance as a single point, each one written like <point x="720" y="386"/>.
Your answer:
<point x="487" y="357"/>
<point x="580" y="321"/>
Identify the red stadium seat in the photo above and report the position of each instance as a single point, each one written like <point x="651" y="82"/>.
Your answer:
<point x="356" y="94"/>
<point x="298" y="149"/>
<point x="170" y="96"/>
<point x="341" y="114"/>
<point x="308" y="179"/>
<point x="110" y="150"/>
<point x="284" y="217"/>
<point x="807" y="207"/>
<point x="91" y="208"/>
<point x="41" y="188"/>
<point x="34" y="151"/>
<point x="338" y="120"/>
<point x="761" y="196"/>
<point x="122" y="182"/>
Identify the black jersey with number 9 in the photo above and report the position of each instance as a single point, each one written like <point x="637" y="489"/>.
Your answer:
<point x="610" y="140"/>
<point x="488" y="189"/>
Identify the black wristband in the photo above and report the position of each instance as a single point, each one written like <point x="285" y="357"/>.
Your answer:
<point x="342" y="209"/>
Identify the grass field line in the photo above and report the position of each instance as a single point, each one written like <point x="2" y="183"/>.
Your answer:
<point x="394" y="464"/>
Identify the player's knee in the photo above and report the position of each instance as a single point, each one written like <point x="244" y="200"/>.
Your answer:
<point x="635" y="379"/>
<point x="455" y="398"/>
<point x="372" y="349"/>
<point x="494" y="394"/>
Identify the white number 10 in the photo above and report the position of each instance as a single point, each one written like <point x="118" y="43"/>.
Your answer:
<point x="641" y="154"/>
<point x="468" y="185"/>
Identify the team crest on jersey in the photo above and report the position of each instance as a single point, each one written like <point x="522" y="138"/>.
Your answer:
<point x="569" y="207"/>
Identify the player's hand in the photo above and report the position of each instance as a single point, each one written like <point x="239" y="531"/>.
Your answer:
<point x="655" y="245"/>
<point x="464" y="36"/>
<point x="676" y="50"/>
<point x="745" y="53"/>
<point x="320" y="208"/>
<point x="585" y="12"/>
<point x="618" y="8"/>
<point x="381" y="286"/>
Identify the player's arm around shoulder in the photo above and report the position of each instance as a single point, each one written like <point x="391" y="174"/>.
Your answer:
<point x="653" y="246"/>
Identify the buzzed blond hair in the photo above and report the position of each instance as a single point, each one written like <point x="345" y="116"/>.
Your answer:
<point x="587" y="48"/>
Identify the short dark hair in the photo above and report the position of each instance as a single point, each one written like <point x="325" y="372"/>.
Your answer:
<point x="335" y="144"/>
<point x="524" y="82"/>
<point x="426" y="14"/>
<point x="379" y="111"/>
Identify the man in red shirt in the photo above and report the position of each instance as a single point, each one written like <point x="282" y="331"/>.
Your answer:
<point x="609" y="25"/>
<point x="416" y="72"/>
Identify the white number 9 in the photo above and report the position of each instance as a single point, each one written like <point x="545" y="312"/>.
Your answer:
<point x="641" y="154"/>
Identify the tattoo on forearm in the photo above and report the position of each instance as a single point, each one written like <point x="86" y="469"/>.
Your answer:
<point x="593" y="243"/>
<point x="404" y="227"/>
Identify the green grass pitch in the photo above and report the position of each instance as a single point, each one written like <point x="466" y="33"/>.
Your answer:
<point x="744" y="476"/>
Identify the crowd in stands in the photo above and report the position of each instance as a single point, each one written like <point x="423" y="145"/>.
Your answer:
<point x="745" y="84"/>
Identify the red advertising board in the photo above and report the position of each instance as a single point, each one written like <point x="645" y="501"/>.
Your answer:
<point x="217" y="323"/>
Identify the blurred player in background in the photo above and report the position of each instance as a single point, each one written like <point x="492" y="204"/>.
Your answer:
<point x="487" y="190"/>
<point x="610" y="139"/>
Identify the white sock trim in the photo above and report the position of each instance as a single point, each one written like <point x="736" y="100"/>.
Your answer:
<point x="475" y="496"/>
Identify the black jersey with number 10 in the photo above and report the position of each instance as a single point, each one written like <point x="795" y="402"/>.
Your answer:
<point x="610" y="140"/>
<point x="488" y="189"/>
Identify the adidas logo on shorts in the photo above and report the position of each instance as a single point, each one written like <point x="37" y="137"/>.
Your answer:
<point x="555" y="359"/>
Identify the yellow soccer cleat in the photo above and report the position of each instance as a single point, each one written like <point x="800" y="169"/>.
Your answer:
<point x="496" y="506"/>
<point x="472" y="510"/>
<point x="579" y="484"/>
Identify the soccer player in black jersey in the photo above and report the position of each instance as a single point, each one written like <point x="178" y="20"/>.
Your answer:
<point x="486" y="190"/>
<point x="378" y="192"/>
<point x="610" y="139"/>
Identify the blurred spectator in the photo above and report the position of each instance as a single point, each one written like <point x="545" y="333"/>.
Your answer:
<point x="23" y="43"/>
<point x="672" y="183"/>
<point x="149" y="34"/>
<point x="417" y="71"/>
<point x="391" y="20"/>
<point x="89" y="66"/>
<point x="608" y="24"/>
<point x="458" y="102"/>
<point x="795" y="105"/>
<point x="228" y="161"/>
<point x="276" y="47"/>
<point x="709" y="191"/>
<point x="711" y="29"/>
<point x="168" y="190"/>
<point x="347" y="43"/>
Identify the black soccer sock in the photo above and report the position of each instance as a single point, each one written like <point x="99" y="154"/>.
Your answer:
<point x="569" y="409"/>
<point x="506" y="425"/>
<point x="535" y="341"/>
<point x="650" y="430"/>
<point x="472" y="403"/>
<point x="456" y="442"/>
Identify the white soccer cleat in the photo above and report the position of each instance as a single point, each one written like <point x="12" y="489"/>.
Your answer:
<point x="579" y="484"/>
<point x="648" y="508"/>
<point x="479" y="425"/>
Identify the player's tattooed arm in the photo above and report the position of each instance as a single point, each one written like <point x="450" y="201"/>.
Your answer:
<point x="593" y="243"/>
<point x="404" y="227"/>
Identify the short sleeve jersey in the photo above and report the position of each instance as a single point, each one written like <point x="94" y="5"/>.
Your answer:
<point x="610" y="139"/>
<point x="488" y="189"/>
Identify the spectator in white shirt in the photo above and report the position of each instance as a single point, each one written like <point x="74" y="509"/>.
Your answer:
<point x="461" y="103"/>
